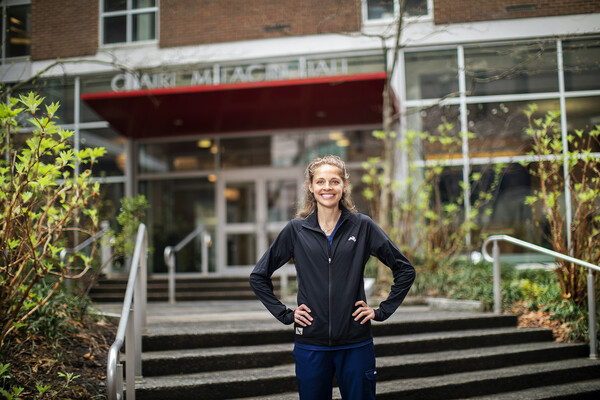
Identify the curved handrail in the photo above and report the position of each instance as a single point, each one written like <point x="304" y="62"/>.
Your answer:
<point x="85" y="243"/>
<point x="590" y="278"/>
<point x="530" y="246"/>
<point x="169" y="257"/>
<point x="136" y="286"/>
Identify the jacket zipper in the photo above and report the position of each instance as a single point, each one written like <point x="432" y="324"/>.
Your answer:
<point x="329" y="296"/>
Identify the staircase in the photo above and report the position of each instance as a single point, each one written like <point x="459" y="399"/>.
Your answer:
<point x="187" y="289"/>
<point x="421" y="354"/>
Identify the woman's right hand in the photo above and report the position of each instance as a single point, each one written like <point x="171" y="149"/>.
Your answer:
<point x="302" y="315"/>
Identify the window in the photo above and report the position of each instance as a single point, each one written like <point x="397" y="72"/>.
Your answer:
<point x="16" y="29"/>
<point x="517" y="68"/>
<point x="387" y="10"/>
<point x="128" y="21"/>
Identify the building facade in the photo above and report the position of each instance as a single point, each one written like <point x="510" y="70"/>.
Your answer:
<point x="212" y="109"/>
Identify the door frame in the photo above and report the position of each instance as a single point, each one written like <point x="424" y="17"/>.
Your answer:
<point x="261" y="227"/>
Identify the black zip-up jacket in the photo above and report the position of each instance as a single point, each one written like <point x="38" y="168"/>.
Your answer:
<point x="330" y="279"/>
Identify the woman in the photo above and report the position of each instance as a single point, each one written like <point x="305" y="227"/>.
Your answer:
<point x="330" y="244"/>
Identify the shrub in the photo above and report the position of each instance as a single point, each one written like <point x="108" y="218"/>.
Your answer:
<point x="42" y="201"/>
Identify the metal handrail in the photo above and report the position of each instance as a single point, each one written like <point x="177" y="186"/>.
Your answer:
<point x="590" y="279"/>
<point x="170" y="252"/>
<point x="85" y="243"/>
<point x="130" y="333"/>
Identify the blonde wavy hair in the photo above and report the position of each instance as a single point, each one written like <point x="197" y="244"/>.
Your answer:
<point x="310" y="203"/>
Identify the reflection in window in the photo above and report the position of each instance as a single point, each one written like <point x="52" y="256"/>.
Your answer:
<point x="177" y="156"/>
<point x="583" y="113"/>
<point x="128" y="21"/>
<point x="508" y="213"/>
<point x="53" y="91"/>
<point x="241" y="249"/>
<point x="350" y="145"/>
<point x="499" y="128"/>
<point x="431" y="74"/>
<point x="16" y="25"/>
<point x="389" y="9"/>
<point x="526" y="68"/>
<point x="380" y="9"/>
<point x="178" y="207"/>
<point x="240" y="199"/>
<point x="281" y="200"/>
<point x="581" y="63"/>
<point x="279" y="150"/>
<point x="442" y="125"/>
<point x="113" y="162"/>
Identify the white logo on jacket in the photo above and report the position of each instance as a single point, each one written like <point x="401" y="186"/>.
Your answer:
<point x="353" y="238"/>
<point x="299" y="330"/>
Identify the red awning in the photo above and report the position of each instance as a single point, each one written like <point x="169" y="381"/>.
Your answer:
<point x="293" y="104"/>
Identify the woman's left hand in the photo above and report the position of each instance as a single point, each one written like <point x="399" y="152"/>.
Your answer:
<point x="363" y="311"/>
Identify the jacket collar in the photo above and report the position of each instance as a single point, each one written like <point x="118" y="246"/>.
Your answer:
<point x="312" y="221"/>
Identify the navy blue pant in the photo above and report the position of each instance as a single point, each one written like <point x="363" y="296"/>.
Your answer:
<point x="354" y="369"/>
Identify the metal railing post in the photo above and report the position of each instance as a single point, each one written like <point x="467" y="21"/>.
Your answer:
<point x="106" y="252"/>
<point x="205" y="241"/>
<point x="130" y="349"/>
<point x="129" y="332"/>
<point x="170" y="252"/>
<point x="592" y="315"/>
<point x="169" y="256"/>
<point x="497" y="291"/>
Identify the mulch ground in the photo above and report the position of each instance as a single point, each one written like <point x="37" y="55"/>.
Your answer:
<point x="72" y="368"/>
<point x="540" y="319"/>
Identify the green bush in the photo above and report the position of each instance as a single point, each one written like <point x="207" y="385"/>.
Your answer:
<point x="531" y="289"/>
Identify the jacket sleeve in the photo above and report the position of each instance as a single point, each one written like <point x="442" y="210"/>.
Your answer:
<point x="280" y="252"/>
<point x="388" y="253"/>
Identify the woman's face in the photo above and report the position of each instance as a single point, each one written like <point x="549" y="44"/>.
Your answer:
<point x="327" y="186"/>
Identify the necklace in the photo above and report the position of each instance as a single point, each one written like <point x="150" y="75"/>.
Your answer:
<point x="327" y="230"/>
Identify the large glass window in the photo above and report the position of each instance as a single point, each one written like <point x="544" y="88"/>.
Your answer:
<point x="581" y="62"/>
<point x="16" y="29"/>
<point x="583" y="113"/>
<point x="178" y="207"/>
<point x="126" y="21"/>
<point x="441" y="124"/>
<point x="113" y="162"/>
<point x="524" y="68"/>
<point x="350" y="145"/>
<point x="53" y="91"/>
<point x="278" y="150"/>
<point x="386" y="10"/>
<point x="431" y="74"/>
<point x="198" y="154"/>
<point x="93" y="84"/>
<point x="499" y="128"/>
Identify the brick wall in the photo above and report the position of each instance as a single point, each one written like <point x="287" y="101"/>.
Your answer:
<point x="454" y="11"/>
<point x="188" y="22"/>
<point x="63" y="28"/>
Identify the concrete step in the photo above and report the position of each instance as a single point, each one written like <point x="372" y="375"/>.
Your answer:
<point x="279" y="379"/>
<point x="490" y="382"/>
<point x="269" y="334"/>
<point x="580" y="390"/>
<point x="188" y="289"/>
<point x="252" y="356"/>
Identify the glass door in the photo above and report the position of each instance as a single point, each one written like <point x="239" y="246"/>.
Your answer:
<point x="253" y="206"/>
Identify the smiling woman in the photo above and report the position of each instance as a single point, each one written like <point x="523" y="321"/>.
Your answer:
<point x="330" y="243"/>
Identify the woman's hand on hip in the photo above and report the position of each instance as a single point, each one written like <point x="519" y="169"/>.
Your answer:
<point x="302" y="315"/>
<point x="364" y="312"/>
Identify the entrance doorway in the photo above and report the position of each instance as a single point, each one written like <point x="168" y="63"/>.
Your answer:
<point x="253" y="205"/>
